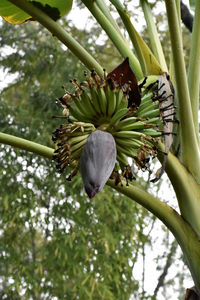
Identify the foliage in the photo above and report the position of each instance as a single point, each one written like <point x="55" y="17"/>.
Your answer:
<point x="14" y="15"/>
<point x="48" y="243"/>
<point x="183" y="173"/>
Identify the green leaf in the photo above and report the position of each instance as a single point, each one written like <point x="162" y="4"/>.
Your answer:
<point x="54" y="9"/>
<point x="150" y="63"/>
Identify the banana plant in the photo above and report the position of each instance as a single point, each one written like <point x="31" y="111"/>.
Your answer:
<point x="135" y="104"/>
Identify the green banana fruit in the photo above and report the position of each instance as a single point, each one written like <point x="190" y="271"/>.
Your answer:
<point x="118" y="115"/>
<point x="102" y="100"/>
<point x="111" y="101"/>
<point x="95" y="100"/>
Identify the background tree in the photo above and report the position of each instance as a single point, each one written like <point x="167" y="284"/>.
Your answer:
<point x="38" y="169"/>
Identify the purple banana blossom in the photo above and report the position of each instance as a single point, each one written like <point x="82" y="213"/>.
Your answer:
<point x="97" y="161"/>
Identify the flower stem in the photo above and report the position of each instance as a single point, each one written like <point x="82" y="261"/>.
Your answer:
<point x="26" y="145"/>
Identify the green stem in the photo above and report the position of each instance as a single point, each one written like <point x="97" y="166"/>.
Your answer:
<point x="116" y="38"/>
<point x="178" y="9"/>
<point x="26" y="145"/>
<point x="60" y="33"/>
<point x="190" y="150"/>
<point x="194" y="68"/>
<point x="186" y="188"/>
<point x="153" y="35"/>
<point x="101" y="4"/>
<point x="149" y="63"/>
<point x="183" y="233"/>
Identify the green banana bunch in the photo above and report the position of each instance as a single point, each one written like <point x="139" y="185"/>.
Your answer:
<point x="101" y="104"/>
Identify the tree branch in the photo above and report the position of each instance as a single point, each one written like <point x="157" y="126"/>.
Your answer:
<point x="186" y="16"/>
<point x="169" y="261"/>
